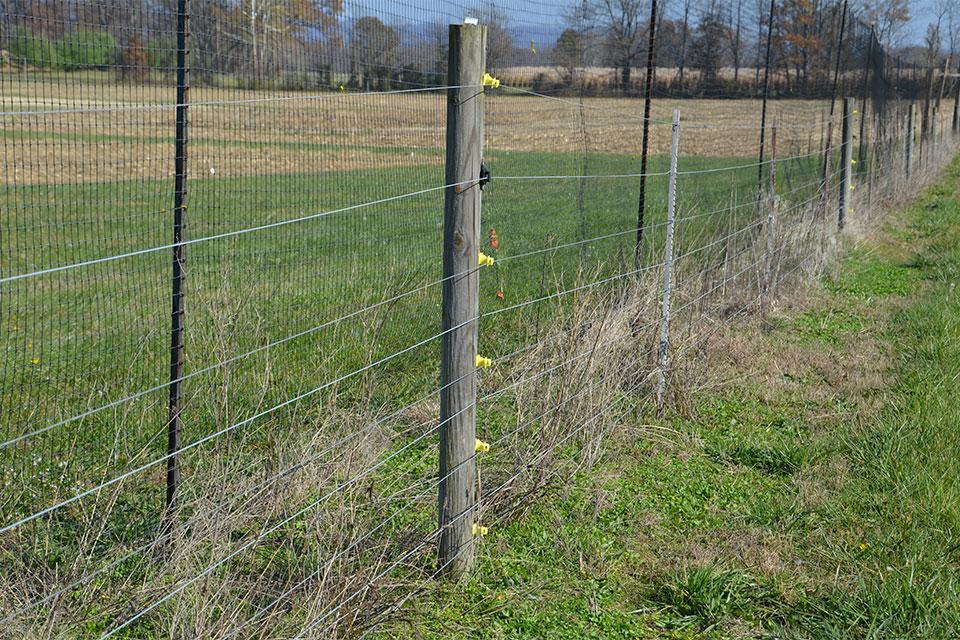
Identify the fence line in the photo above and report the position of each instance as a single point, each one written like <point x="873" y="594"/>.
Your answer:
<point x="303" y="361"/>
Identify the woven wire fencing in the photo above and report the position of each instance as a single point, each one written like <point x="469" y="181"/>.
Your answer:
<point x="222" y="238"/>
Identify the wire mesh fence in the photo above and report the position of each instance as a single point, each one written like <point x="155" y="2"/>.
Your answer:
<point x="222" y="274"/>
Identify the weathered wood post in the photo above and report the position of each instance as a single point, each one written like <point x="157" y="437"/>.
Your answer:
<point x="461" y="233"/>
<point x="871" y="162"/>
<point x="933" y="133"/>
<point x="908" y="144"/>
<point x="668" y="265"/>
<point x="771" y="220"/>
<point x="846" y="163"/>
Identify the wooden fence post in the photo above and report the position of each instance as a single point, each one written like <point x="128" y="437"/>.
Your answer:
<point x="908" y="145"/>
<point x="846" y="163"/>
<point x="668" y="265"/>
<point x="461" y="234"/>
<point x="771" y="220"/>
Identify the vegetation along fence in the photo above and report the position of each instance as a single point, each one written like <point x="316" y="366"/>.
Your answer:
<point x="302" y="298"/>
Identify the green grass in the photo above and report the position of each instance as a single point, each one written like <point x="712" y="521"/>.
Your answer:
<point x="826" y="506"/>
<point x="77" y="339"/>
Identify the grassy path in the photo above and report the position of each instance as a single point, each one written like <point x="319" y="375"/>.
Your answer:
<point x="818" y="496"/>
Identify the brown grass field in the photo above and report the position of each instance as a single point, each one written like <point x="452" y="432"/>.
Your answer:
<point x="102" y="132"/>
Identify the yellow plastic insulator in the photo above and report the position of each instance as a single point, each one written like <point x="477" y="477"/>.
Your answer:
<point x="484" y="362"/>
<point x="852" y="187"/>
<point x="856" y="111"/>
<point x="490" y="81"/>
<point x="853" y="162"/>
<point x="481" y="446"/>
<point x="480" y="530"/>
<point x="484" y="260"/>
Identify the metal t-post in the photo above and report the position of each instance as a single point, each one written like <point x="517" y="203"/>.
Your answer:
<point x="668" y="265"/>
<point x="179" y="254"/>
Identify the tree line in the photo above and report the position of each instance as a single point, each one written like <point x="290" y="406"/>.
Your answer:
<point x="708" y="48"/>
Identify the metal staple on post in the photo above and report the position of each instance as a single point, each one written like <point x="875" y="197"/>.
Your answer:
<point x="174" y="423"/>
<point x="668" y="265"/>
<point x="846" y="163"/>
<point x="461" y="236"/>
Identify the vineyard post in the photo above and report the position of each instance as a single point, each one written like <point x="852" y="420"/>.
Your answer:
<point x="668" y="264"/>
<point x="174" y="423"/>
<point x="461" y="280"/>
<point x="846" y="163"/>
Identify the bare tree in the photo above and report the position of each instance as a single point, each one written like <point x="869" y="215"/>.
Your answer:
<point x="707" y="49"/>
<point x="500" y="49"/>
<point x="888" y="17"/>
<point x="736" y="39"/>
<point x="684" y="36"/>
<point x="623" y="28"/>
<point x="947" y="9"/>
<point x="932" y="44"/>
<point x="264" y="26"/>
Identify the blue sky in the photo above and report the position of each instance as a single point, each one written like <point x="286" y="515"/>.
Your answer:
<point x="539" y="21"/>
<point x="922" y="14"/>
